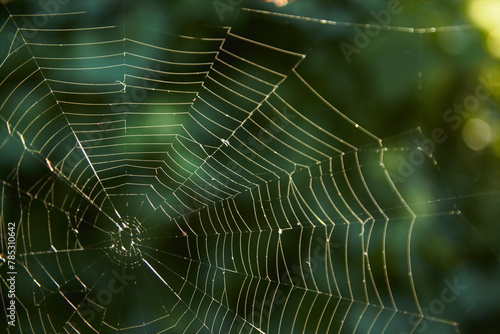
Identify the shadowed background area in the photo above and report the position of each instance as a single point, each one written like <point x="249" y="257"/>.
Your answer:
<point x="238" y="167"/>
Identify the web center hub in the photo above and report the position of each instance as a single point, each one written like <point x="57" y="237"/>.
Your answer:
<point x="126" y="242"/>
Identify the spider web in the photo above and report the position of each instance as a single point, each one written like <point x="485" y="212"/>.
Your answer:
<point x="166" y="176"/>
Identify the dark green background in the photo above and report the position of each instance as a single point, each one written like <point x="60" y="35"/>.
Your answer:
<point x="397" y="88"/>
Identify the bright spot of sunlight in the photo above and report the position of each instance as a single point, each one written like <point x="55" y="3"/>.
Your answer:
<point x="476" y="134"/>
<point x="485" y="14"/>
<point x="279" y="3"/>
<point x="493" y="43"/>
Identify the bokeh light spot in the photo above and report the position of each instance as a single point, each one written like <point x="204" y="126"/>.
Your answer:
<point x="476" y="134"/>
<point x="484" y="14"/>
